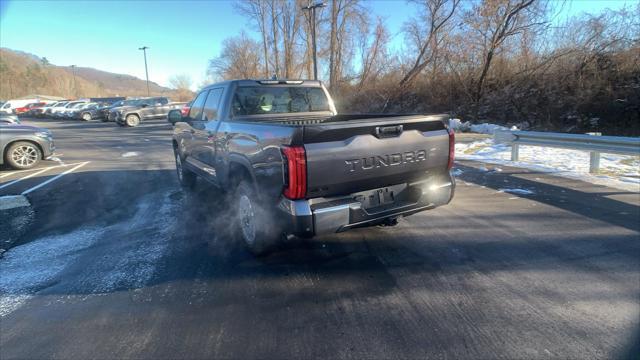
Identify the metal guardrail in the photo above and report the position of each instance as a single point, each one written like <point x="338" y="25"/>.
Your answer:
<point x="593" y="143"/>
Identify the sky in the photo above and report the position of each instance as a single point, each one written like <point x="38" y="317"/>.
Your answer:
<point x="181" y="35"/>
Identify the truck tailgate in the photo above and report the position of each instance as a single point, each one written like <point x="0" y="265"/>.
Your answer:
<point x="351" y="156"/>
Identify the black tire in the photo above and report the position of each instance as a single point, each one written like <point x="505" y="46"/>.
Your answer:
<point x="186" y="178"/>
<point x="132" y="120"/>
<point x="86" y="117"/>
<point x="23" y="155"/>
<point x="256" y="225"/>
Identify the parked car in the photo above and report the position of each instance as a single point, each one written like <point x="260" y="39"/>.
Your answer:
<point x="40" y="111"/>
<point x="9" y="119"/>
<point x="60" y="112"/>
<point x="293" y="166"/>
<point x="185" y="109"/>
<point x="11" y="105"/>
<point x="34" y="110"/>
<point x="23" y="146"/>
<point x="47" y="110"/>
<point x="67" y="114"/>
<point x="104" y="116"/>
<point x="144" y="109"/>
<point x="94" y="112"/>
<point x="77" y="112"/>
<point x="26" y="110"/>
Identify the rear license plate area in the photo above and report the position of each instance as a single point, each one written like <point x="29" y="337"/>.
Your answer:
<point x="379" y="197"/>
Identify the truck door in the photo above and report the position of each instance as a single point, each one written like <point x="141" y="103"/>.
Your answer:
<point x="188" y="129"/>
<point x="160" y="108"/>
<point x="205" y="140"/>
<point x="146" y="109"/>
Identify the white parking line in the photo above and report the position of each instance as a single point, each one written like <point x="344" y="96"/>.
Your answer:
<point x="15" y="172"/>
<point x="55" y="178"/>
<point x="31" y="175"/>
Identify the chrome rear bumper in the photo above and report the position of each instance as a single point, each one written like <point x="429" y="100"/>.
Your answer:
<point x="331" y="215"/>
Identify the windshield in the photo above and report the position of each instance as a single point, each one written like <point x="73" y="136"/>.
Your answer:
<point x="127" y="102"/>
<point x="257" y="100"/>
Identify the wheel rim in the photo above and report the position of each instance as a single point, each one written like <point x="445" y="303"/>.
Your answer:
<point x="132" y="121"/>
<point x="179" y="167"/>
<point x="86" y="117"/>
<point x="247" y="225"/>
<point x="25" y="155"/>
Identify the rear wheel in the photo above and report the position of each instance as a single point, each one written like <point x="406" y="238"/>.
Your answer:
<point x="186" y="178"/>
<point x="132" y="120"/>
<point x="256" y="225"/>
<point x="23" y="155"/>
<point x="86" y="117"/>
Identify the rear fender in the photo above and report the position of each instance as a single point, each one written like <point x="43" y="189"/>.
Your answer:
<point x="234" y="161"/>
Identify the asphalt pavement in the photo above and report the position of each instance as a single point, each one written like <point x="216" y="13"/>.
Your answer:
<point x="117" y="261"/>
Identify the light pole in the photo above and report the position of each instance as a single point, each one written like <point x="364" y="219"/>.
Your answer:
<point x="144" y="50"/>
<point x="313" y="8"/>
<point x="75" y="89"/>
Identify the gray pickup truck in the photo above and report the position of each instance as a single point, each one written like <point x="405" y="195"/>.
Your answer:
<point x="142" y="109"/>
<point x="293" y="166"/>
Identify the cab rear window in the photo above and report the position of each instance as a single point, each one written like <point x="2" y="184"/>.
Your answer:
<point x="257" y="100"/>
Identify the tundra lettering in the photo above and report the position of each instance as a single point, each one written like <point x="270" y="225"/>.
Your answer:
<point x="372" y="162"/>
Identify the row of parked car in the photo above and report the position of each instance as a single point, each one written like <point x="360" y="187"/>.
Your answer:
<point x="128" y="112"/>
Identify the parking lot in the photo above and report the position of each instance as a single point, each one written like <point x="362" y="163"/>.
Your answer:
<point x="116" y="261"/>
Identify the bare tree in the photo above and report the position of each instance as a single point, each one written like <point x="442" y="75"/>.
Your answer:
<point x="257" y="11"/>
<point x="373" y="50"/>
<point x="425" y="32"/>
<point x="289" y="26"/>
<point x="274" y="10"/>
<point x="496" y="21"/>
<point x="239" y="59"/>
<point x="346" y="16"/>
<point x="180" y="82"/>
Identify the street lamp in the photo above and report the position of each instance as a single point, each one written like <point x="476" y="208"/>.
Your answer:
<point x="313" y="8"/>
<point x="75" y="89"/>
<point x="144" y="49"/>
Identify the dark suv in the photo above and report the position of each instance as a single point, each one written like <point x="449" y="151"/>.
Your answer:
<point x="143" y="109"/>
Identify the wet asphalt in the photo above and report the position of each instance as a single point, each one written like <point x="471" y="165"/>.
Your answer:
<point x="119" y="262"/>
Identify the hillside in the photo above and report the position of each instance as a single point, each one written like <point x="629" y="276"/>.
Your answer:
<point x="22" y="74"/>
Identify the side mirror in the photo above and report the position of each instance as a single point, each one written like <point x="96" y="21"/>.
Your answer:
<point x="174" y="116"/>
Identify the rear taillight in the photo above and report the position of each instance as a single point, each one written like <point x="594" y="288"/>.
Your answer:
<point x="452" y="148"/>
<point x="295" y="161"/>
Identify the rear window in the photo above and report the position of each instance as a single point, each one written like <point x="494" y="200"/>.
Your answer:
<point x="257" y="100"/>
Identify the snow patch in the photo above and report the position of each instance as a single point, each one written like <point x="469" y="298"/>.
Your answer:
<point x="484" y="128"/>
<point x="57" y="159"/>
<point x="28" y="267"/>
<point x="517" y="191"/>
<point x="13" y="201"/>
<point x="130" y="154"/>
<point x="618" y="171"/>
<point x="135" y="265"/>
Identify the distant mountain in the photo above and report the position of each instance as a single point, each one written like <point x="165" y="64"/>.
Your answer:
<point x="22" y="73"/>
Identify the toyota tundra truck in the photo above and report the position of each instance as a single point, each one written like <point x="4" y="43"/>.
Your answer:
<point x="292" y="166"/>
